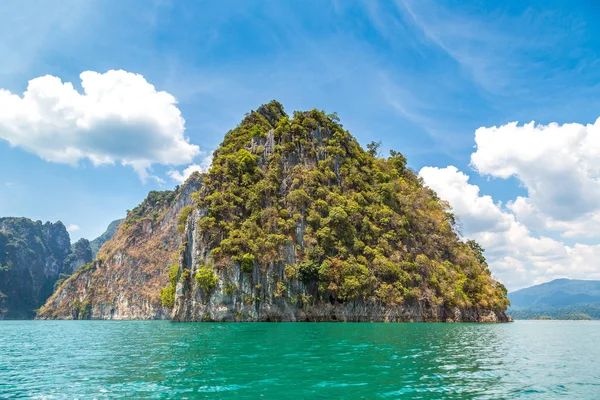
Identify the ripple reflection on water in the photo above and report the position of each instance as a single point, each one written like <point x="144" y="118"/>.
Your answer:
<point x="157" y="359"/>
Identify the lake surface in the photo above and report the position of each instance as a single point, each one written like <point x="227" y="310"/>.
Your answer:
<point x="159" y="359"/>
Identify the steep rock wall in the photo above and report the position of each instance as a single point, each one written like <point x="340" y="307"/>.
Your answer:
<point x="32" y="257"/>
<point x="258" y="296"/>
<point x="416" y="269"/>
<point x="125" y="280"/>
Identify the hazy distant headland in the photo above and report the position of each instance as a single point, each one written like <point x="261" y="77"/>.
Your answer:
<point x="35" y="259"/>
<point x="559" y="299"/>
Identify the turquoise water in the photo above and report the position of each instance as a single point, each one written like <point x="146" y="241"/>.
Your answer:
<point x="157" y="359"/>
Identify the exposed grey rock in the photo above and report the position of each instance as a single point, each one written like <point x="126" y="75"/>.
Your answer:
<point x="124" y="282"/>
<point x="32" y="257"/>
<point x="257" y="297"/>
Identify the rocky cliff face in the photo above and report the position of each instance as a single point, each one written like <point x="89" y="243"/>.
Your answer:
<point x="296" y="222"/>
<point x="32" y="257"/>
<point x="266" y="294"/>
<point x="125" y="279"/>
<point x="81" y="254"/>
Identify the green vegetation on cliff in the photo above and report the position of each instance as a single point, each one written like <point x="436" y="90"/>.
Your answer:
<point x="167" y="294"/>
<point x="153" y="206"/>
<point x="81" y="254"/>
<point x="360" y="227"/>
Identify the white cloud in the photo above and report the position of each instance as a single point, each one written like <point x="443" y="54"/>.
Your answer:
<point x="73" y="228"/>
<point x="559" y="165"/>
<point x="182" y="176"/>
<point x="119" y="117"/>
<point x="516" y="256"/>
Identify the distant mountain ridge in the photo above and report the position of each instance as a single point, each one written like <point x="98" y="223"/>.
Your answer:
<point x="35" y="258"/>
<point x="558" y="299"/>
<point x="32" y="257"/>
<point x="109" y="233"/>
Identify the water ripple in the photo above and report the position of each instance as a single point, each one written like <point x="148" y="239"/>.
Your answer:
<point x="159" y="360"/>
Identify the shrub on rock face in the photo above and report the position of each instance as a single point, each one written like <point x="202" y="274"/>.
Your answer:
<point x="206" y="278"/>
<point x="173" y="272"/>
<point x="167" y="294"/>
<point x="247" y="263"/>
<point x="183" y="216"/>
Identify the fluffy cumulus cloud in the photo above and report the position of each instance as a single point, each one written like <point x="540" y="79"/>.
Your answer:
<point x="182" y="176"/>
<point x="118" y="118"/>
<point x="516" y="257"/>
<point x="559" y="165"/>
<point x="552" y="232"/>
<point x="73" y="228"/>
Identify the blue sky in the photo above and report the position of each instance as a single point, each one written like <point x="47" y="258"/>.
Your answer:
<point x="420" y="76"/>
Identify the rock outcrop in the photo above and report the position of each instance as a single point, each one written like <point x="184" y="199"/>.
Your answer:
<point x="81" y="254"/>
<point x="32" y="257"/>
<point x="296" y="222"/>
<point x="293" y="222"/>
<point x="125" y="280"/>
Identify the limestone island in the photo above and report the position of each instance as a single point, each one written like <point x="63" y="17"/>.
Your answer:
<point x="294" y="221"/>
